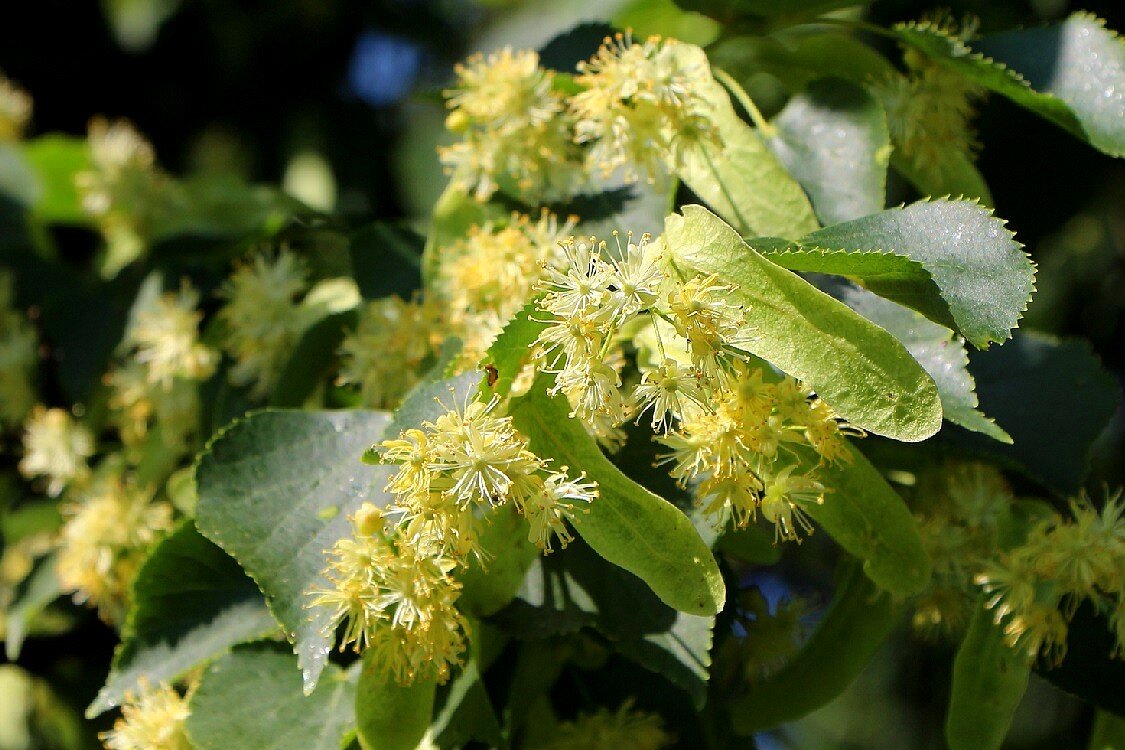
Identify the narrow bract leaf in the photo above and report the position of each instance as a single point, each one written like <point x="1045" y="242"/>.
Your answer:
<point x="252" y="698"/>
<point x="739" y="178"/>
<point x="390" y="716"/>
<point x="871" y="521"/>
<point x="833" y="139"/>
<point x="275" y="492"/>
<point x="191" y="602"/>
<point x="936" y="348"/>
<point x="627" y="525"/>
<point x="855" y="625"/>
<point x="989" y="679"/>
<point x="859" y="369"/>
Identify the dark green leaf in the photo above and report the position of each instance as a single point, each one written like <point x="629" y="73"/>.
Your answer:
<point x="38" y="589"/>
<point x="797" y="57"/>
<point x="311" y="361"/>
<point x="1052" y="396"/>
<point x="859" y="369"/>
<point x="627" y="525"/>
<point x="252" y="698"/>
<point x="953" y="261"/>
<point x="191" y="602"/>
<point x="989" y="679"/>
<point x="855" y="625"/>
<point x="574" y="588"/>
<point x="1072" y="73"/>
<point x="955" y="175"/>
<point x="833" y="138"/>
<point x="275" y="491"/>
<point x="386" y="260"/>
<point x="1089" y="670"/>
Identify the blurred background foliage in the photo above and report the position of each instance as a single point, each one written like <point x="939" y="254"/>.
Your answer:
<point x="339" y="102"/>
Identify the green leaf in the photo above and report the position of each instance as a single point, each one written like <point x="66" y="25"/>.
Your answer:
<point x="1090" y="670"/>
<point x="989" y="679"/>
<point x="1108" y="732"/>
<point x="390" y="716"/>
<point x="790" y="11"/>
<point x="56" y="159"/>
<point x="312" y="360"/>
<point x="463" y="710"/>
<point x="833" y="139"/>
<point x="739" y="177"/>
<point x="275" y="492"/>
<point x="1053" y="397"/>
<point x="1072" y="73"/>
<point x="191" y="602"/>
<point x="862" y="371"/>
<point x="574" y="588"/>
<point x="38" y="589"/>
<point x="936" y="348"/>
<point x="252" y="698"/>
<point x="627" y="525"/>
<point x="855" y="625"/>
<point x="871" y="521"/>
<point x="511" y="349"/>
<point x="386" y="259"/>
<point x="954" y="175"/>
<point x="797" y="57"/>
<point x="953" y="261"/>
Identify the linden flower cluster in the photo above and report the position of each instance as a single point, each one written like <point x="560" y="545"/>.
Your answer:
<point x="121" y="182"/>
<point x="639" y="105"/>
<point x="15" y="110"/>
<point x="1036" y="587"/>
<point x="262" y="318"/>
<point x="622" y="729"/>
<point x="393" y="599"/>
<point x="55" y="447"/>
<point x="163" y="362"/>
<point x="486" y="276"/>
<point x="153" y="720"/>
<point x="390" y="348"/>
<point x="516" y="131"/>
<point x="469" y="460"/>
<point x="105" y="539"/>
<point x="930" y="108"/>
<point x="18" y="345"/>
<point x="736" y="436"/>
<point x="961" y="509"/>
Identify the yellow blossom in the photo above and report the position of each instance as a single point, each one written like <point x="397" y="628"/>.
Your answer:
<point x="393" y="600"/>
<point x="153" y="720"/>
<point x="56" y="447"/>
<point x="622" y="729"/>
<point x="262" y="317"/>
<point x="390" y="349"/>
<point x="15" y="110"/>
<point x="516" y="133"/>
<point x="106" y="536"/>
<point x="638" y="105"/>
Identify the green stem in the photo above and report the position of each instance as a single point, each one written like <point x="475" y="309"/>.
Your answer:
<point x="725" y="78"/>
